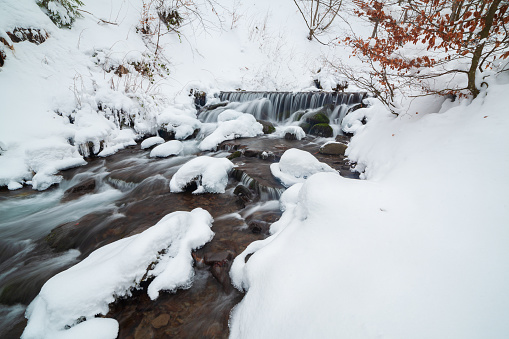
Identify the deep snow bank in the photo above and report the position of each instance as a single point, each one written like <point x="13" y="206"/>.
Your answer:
<point x="419" y="250"/>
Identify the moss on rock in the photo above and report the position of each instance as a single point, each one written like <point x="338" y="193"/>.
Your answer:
<point x="322" y="130"/>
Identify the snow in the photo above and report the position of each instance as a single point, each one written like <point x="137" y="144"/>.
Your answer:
<point x="294" y="130"/>
<point x="209" y="174"/>
<point x="152" y="141"/>
<point x="180" y="120"/>
<point x="416" y="250"/>
<point x="86" y="289"/>
<point x="172" y="147"/>
<point x="296" y="166"/>
<point x="232" y="125"/>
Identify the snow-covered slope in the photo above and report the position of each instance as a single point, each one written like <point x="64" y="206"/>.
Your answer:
<point x="83" y="85"/>
<point x="418" y="250"/>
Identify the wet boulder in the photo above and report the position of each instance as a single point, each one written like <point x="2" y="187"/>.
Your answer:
<point x="333" y="148"/>
<point x="268" y="127"/>
<point x="78" y="190"/>
<point x="259" y="227"/>
<point x="322" y="130"/>
<point x="316" y="118"/>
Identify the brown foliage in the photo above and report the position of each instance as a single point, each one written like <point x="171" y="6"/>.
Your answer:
<point x="472" y="31"/>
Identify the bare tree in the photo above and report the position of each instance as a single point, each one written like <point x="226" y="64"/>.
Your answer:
<point x="318" y="14"/>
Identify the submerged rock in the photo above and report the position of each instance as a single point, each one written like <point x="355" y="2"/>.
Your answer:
<point x="76" y="191"/>
<point x="161" y="321"/>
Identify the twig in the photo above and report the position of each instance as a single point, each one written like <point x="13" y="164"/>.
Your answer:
<point x="106" y="22"/>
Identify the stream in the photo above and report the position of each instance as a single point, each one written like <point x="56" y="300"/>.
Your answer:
<point x="44" y="233"/>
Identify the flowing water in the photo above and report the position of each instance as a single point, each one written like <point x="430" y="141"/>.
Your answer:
<point x="280" y="107"/>
<point x="43" y="233"/>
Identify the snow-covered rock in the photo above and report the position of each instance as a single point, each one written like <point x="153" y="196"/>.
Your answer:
<point x="149" y="142"/>
<point x="294" y="132"/>
<point x="172" y="147"/>
<point x="296" y="166"/>
<point x="210" y="175"/>
<point x="232" y="125"/>
<point x="86" y="289"/>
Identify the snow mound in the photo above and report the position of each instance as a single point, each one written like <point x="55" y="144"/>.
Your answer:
<point x="180" y="121"/>
<point x="86" y="289"/>
<point x="232" y="125"/>
<point x="119" y="139"/>
<point x="210" y="175"/>
<point x="287" y="204"/>
<point x="295" y="130"/>
<point x="172" y="147"/>
<point x="229" y="114"/>
<point x="48" y="157"/>
<point x="296" y="166"/>
<point x="149" y="142"/>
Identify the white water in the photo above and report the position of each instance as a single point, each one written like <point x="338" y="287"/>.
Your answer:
<point x="280" y="107"/>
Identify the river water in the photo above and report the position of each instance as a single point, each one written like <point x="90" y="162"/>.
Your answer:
<point x="43" y="233"/>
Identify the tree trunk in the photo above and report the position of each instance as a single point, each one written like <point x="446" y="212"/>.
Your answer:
<point x="476" y="57"/>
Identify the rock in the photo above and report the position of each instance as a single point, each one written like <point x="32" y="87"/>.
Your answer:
<point x="90" y="149"/>
<point x="268" y="127"/>
<point x="234" y="155"/>
<point x="290" y="136"/>
<point x="333" y="148"/>
<point x="33" y="35"/>
<point x="161" y="321"/>
<point x="316" y="118"/>
<point x="298" y="116"/>
<point x="252" y="153"/>
<point x="243" y="192"/>
<point x="85" y="187"/>
<point x="193" y="136"/>
<point x="217" y="257"/>
<point x="2" y="58"/>
<point x="244" y="195"/>
<point x="342" y="138"/>
<point x="163" y="133"/>
<point x="305" y="126"/>
<point x="322" y="130"/>
<point x="221" y="271"/>
<point x="214" y="106"/>
<point x="259" y="227"/>
<point x="200" y="98"/>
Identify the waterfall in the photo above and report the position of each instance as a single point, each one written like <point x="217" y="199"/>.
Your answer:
<point x="280" y="106"/>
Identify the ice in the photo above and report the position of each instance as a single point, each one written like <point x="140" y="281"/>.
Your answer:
<point x="296" y="166"/>
<point x="232" y="125"/>
<point x="149" y="142"/>
<point x="172" y="147"/>
<point x="209" y="174"/>
<point x="86" y="289"/>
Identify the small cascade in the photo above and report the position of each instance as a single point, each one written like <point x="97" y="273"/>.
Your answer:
<point x="280" y="106"/>
<point x="265" y="193"/>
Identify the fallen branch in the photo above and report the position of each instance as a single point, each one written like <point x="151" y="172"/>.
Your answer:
<point x="106" y="22"/>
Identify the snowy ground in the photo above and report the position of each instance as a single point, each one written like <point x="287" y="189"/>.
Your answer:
<point x="419" y="249"/>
